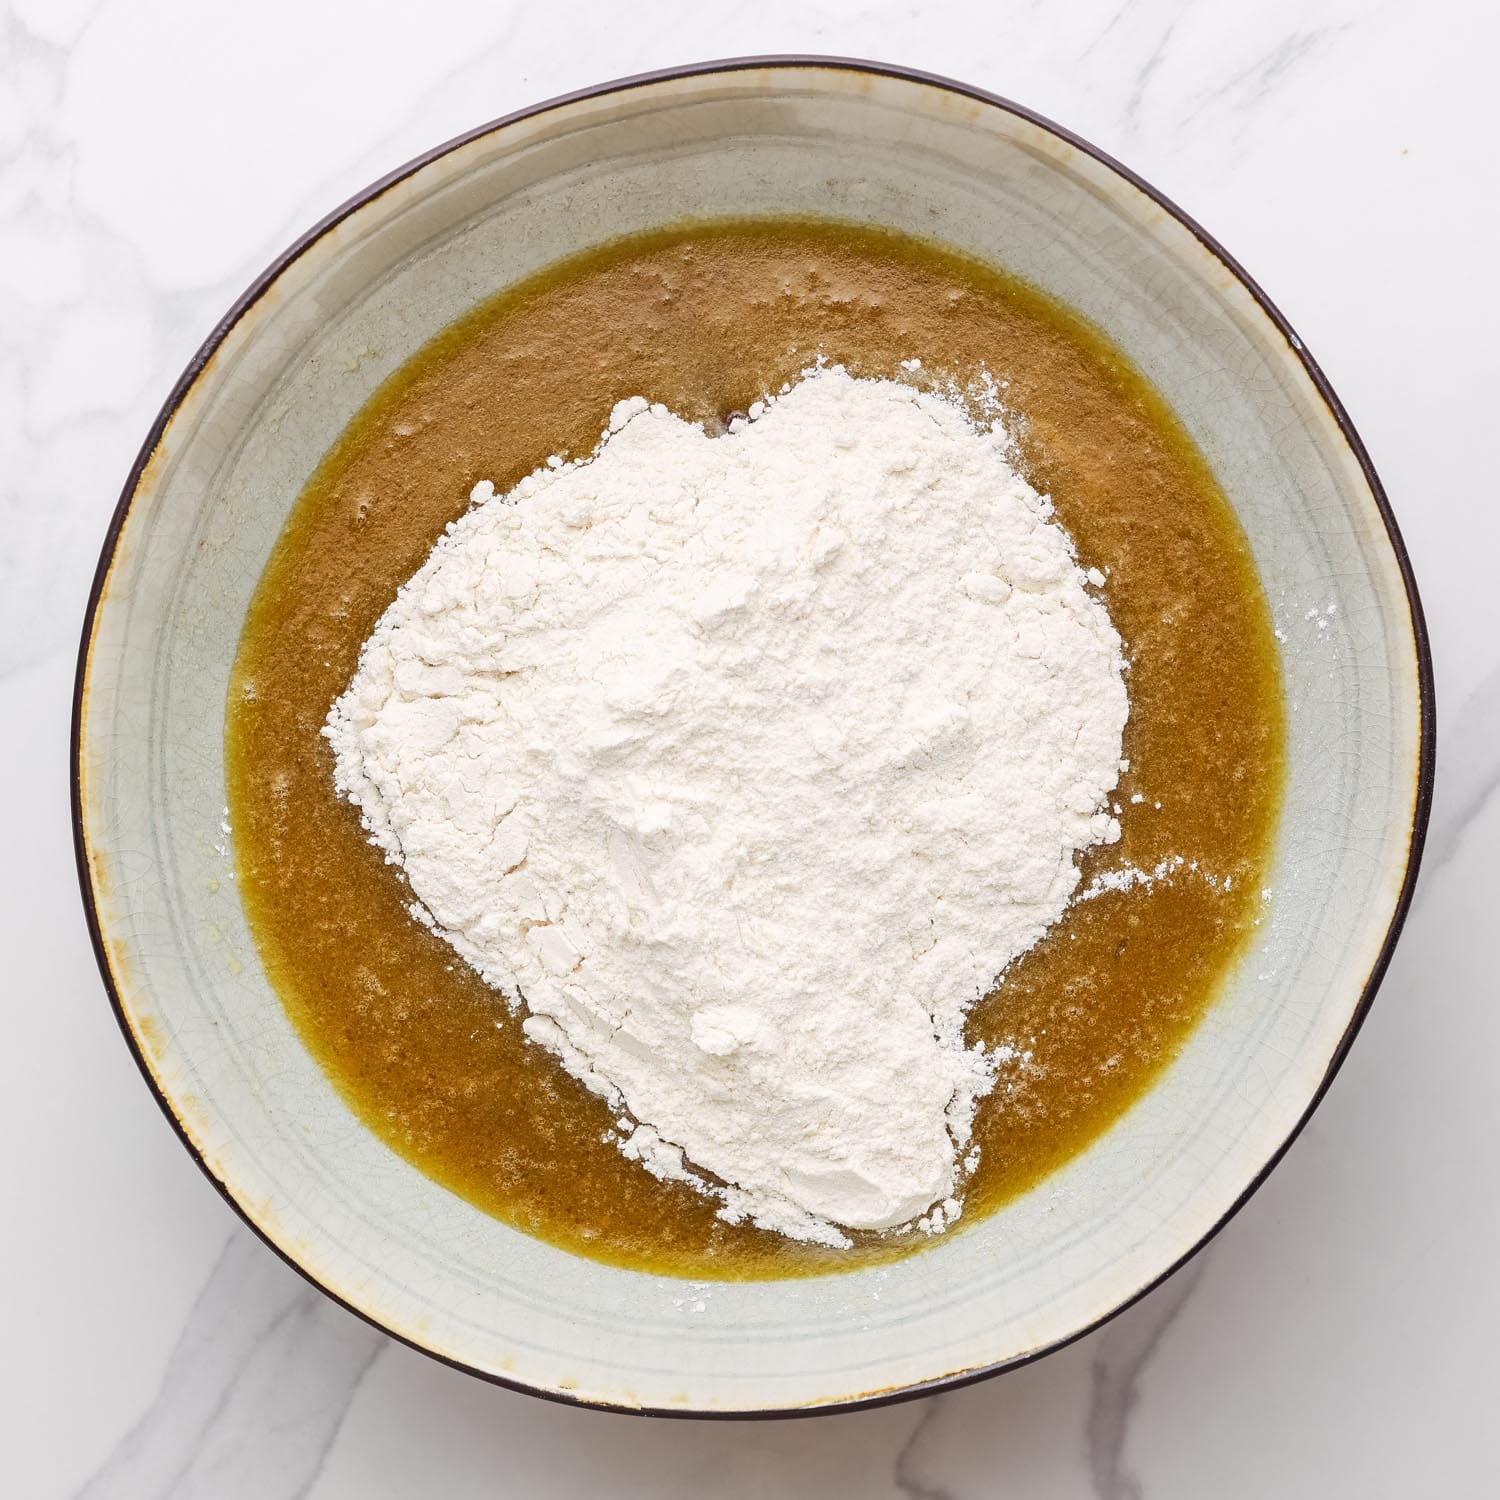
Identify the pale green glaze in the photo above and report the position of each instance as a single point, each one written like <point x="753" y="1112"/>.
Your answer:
<point x="363" y="297"/>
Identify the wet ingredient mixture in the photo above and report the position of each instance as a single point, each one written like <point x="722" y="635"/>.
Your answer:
<point x="706" y="320"/>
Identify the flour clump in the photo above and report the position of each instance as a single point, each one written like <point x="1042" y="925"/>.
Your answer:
<point x="743" y="765"/>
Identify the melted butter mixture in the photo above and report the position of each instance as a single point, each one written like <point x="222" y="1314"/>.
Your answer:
<point x="706" y="319"/>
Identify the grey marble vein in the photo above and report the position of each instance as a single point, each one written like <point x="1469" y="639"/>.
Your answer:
<point x="1109" y="28"/>
<point x="1254" y="82"/>
<point x="253" y="1394"/>
<point x="908" y="1482"/>
<point x="1469" y="757"/>
<point x="1147" y="71"/>
<point x="65" y="446"/>
<point x="1121" y="1352"/>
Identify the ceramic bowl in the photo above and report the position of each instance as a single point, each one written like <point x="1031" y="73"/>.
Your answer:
<point x="272" y="388"/>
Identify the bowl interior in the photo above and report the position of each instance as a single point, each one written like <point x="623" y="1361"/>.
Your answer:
<point x="279" y="385"/>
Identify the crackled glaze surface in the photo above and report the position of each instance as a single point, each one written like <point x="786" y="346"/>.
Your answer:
<point x="353" y="304"/>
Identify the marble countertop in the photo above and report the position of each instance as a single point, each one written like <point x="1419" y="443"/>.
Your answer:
<point x="1338" y="1339"/>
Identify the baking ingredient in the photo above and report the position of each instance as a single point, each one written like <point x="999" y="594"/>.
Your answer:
<point x="419" y="1046"/>
<point x="745" y="764"/>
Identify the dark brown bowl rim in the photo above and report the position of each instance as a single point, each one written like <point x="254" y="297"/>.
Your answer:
<point x="1426" y="745"/>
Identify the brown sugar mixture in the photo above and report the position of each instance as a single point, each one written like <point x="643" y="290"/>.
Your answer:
<point x="706" y="319"/>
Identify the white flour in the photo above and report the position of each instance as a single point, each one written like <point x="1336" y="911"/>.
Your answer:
<point x="746" y="764"/>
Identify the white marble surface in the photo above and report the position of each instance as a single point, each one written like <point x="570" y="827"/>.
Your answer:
<point x="1338" y="1339"/>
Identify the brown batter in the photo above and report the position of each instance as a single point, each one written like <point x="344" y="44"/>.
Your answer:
<point x="706" y="319"/>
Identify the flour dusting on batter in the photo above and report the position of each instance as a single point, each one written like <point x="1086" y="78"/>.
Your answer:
<point x="745" y="764"/>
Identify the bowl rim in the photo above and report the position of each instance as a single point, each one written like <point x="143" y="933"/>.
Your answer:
<point x="1426" y="740"/>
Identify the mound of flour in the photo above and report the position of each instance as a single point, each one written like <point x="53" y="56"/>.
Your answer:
<point x="744" y="765"/>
